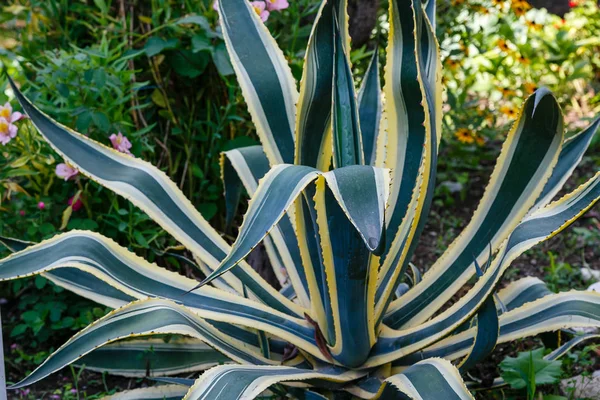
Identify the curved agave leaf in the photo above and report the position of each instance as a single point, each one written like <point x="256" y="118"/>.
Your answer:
<point x="550" y="313"/>
<point x="134" y="276"/>
<point x="370" y="109"/>
<point x="250" y="165"/>
<point x="165" y="392"/>
<point x="152" y="357"/>
<point x="413" y="129"/>
<point x="525" y="163"/>
<point x="570" y="156"/>
<point x="157" y="316"/>
<point x="247" y="382"/>
<point x="347" y="139"/>
<point x="354" y="196"/>
<point x="542" y="225"/>
<point x="264" y="76"/>
<point x="153" y="192"/>
<point x="276" y="193"/>
<point x="313" y="123"/>
<point x="523" y="291"/>
<point x="488" y="330"/>
<point x="434" y="378"/>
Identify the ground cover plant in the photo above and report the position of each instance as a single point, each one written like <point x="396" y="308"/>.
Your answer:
<point x="340" y="239"/>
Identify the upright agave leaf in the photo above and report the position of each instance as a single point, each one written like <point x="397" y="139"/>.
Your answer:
<point x="340" y="190"/>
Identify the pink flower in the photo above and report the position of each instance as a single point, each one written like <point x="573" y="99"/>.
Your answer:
<point x="120" y="143"/>
<point x="277" y="5"/>
<point x="41" y="205"/>
<point x="216" y="5"/>
<point x="7" y="131"/>
<point x="25" y="392"/>
<point x="14" y="346"/>
<point x="22" y="213"/>
<point x="7" y="113"/>
<point x="259" y="8"/>
<point x="66" y="171"/>
<point x="78" y="204"/>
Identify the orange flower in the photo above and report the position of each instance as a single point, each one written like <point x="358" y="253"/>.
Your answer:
<point x="481" y="9"/>
<point x="498" y="3"/>
<point x="452" y="64"/>
<point x="506" y="92"/>
<point x="533" y="25"/>
<point x="523" y="60"/>
<point x="480" y="140"/>
<point x="529" y="87"/>
<point x="503" y="45"/>
<point x="520" y="7"/>
<point x="509" y="111"/>
<point x="464" y="135"/>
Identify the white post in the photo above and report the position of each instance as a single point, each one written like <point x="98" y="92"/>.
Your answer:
<point x="2" y="371"/>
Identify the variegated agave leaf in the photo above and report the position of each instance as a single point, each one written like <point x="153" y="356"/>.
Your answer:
<point x="340" y="191"/>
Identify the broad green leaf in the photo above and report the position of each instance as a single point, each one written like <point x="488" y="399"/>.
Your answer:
<point x="528" y="368"/>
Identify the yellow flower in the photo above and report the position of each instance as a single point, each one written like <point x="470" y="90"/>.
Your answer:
<point x="480" y="140"/>
<point x="481" y="9"/>
<point x="533" y="26"/>
<point x="509" y="111"/>
<point x="529" y="87"/>
<point x="503" y="45"/>
<point x="523" y="60"/>
<point x="451" y="63"/>
<point x="464" y="135"/>
<point x="506" y="92"/>
<point x="498" y="3"/>
<point x="520" y="7"/>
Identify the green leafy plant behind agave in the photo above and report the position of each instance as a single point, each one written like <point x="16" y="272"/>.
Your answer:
<point x="340" y="189"/>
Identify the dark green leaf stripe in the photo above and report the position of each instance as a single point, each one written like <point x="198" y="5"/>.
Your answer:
<point x="413" y="151"/>
<point x="242" y="382"/>
<point x="485" y="337"/>
<point x="309" y="242"/>
<point x="136" y="277"/>
<point x="13" y="244"/>
<point x="430" y="379"/>
<point x="152" y="357"/>
<point x="525" y="163"/>
<point x="347" y="144"/>
<point x="523" y="291"/>
<point x="314" y="106"/>
<point x="274" y="195"/>
<point x="264" y="76"/>
<point x="89" y="286"/>
<point x="370" y="109"/>
<point x="162" y="392"/>
<point x="356" y="194"/>
<point x="143" y="317"/>
<point x="550" y="313"/>
<point x="152" y="191"/>
<point x="542" y="225"/>
<point x="570" y="156"/>
<point x="362" y="192"/>
<point x="250" y="165"/>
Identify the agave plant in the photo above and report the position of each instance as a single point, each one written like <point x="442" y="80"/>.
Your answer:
<point x="340" y="191"/>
